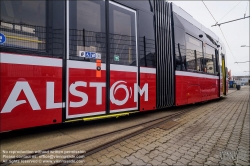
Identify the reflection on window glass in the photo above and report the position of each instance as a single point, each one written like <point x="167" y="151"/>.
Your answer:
<point x="24" y="23"/>
<point x="194" y="54"/>
<point x="209" y="60"/>
<point x="122" y="36"/>
<point x="147" y="52"/>
<point x="180" y="57"/>
<point x="146" y="40"/>
<point x="87" y="29"/>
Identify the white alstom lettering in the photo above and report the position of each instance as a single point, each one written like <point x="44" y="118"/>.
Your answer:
<point x="113" y="90"/>
<point x="12" y="102"/>
<point x="99" y="86"/>
<point x="24" y="86"/>
<point x="74" y="92"/>
<point x="141" y="91"/>
<point x="50" y="95"/>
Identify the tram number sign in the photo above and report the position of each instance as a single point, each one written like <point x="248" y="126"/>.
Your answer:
<point x="90" y="55"/>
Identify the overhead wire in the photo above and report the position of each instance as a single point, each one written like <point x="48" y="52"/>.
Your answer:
<point x="246" y="8"/>
<point x="229" y="11"/>
<point x="222" y="34"/>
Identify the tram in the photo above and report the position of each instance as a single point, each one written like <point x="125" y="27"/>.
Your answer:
<point x="65" y="61"/>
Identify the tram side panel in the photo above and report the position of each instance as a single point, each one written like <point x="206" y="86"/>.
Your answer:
<point x="31" y="91"/>
<point x="86" y="91"/>
<point x="196" y="78"/>
<point x="147" y="90"/>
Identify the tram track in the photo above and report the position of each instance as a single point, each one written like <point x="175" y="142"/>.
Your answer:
<point x="113" y="142"/>
<point x="150" y="125"/>
<point x="144" y="126"/>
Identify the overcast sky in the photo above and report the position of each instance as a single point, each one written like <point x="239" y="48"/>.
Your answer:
<point x="236" y="33"/>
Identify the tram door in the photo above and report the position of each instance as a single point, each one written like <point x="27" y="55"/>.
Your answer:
<point x="123" y="58"/>
<point x="223" y="75"/>
<point x="86" y="59"/>
<point x="89" y="65"/>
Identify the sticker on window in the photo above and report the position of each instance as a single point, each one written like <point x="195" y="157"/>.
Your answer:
<point x="116" y="58"/>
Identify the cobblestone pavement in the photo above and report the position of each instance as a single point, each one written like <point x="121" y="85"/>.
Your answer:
<point x="215" y="133"/>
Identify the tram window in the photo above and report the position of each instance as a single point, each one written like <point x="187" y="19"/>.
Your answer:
<point x="146" y="40"/>
<point x="122" y="36"/>
<point x="209" y="61"/>
<point x="194" y="54"/>
<point x="87" y="28"/>
<point x="24" y="23"/>
<point x="180" y="56"/>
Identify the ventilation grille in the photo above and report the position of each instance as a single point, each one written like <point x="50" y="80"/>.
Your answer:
<point x="164" y="54"/>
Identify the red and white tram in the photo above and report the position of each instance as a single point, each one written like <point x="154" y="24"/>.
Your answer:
<point x="64" y="61"/>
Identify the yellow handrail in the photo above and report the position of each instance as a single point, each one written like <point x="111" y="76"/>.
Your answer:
<point x="25" y="39"/>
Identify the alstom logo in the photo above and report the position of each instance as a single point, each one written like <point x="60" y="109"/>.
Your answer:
<point x="13" y="102"/>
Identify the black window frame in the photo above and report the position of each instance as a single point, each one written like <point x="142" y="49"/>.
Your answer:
<point x="215" y="60"/>
<point x="195" y="55"/>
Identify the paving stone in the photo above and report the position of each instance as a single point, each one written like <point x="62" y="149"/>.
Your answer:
<point x="177" y="154"/>
<point x="187" y="157"/>
<point x="159" y="158"/>
<point x="184" y="161"/>
<point x="131" y="158"/>
<point x="213" y="160"/>
<point x="174" y="158"/>
<point x="201" y="156"/>
<point x="198" y="160"/>
<point x="139" y="163"/>
<point x="129" y="151"/>
<point x="194" y="163"/>
<point x="117" y="158"/>
<point x="111" y="148"/>
<point x="135" y="148"/>
<point x="227" y="163"/>
<point x="183" y="148"/>
<point x="92" y="162"/>
<point x="161" y="149"/>
<point x="117" y="164"/>
<point x="110" y="154"/>
<point x="87" y="159"/>
<point x="102" y="158"/>
<point x="164" y="155"/>
<point x="138" y="155"/>
<point x="125" y="162"/>
<point x="191" y="153"/>
<point x="116" y="151"/>
<point x="194" y="150"/>
<point x="178" y="164"/>
<point x="164" y="146"/>
<point x="240" y="162"/>
<point x="141" y="145"/>
<point x="208" y="163"/>
<point x="187" y="146"/>
<point x="146" y="159"/>
<point x="149" y="148"/>
<point x="155" y="162"/>
<point x="107" y="162"/>
<point x="152" y="155"/>
<point x="143" y="151"/>
<point x="157" y="152"/>
<point x="124" y="154"/>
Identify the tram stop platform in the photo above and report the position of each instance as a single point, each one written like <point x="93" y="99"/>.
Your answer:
<point x="217" y="133"/>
